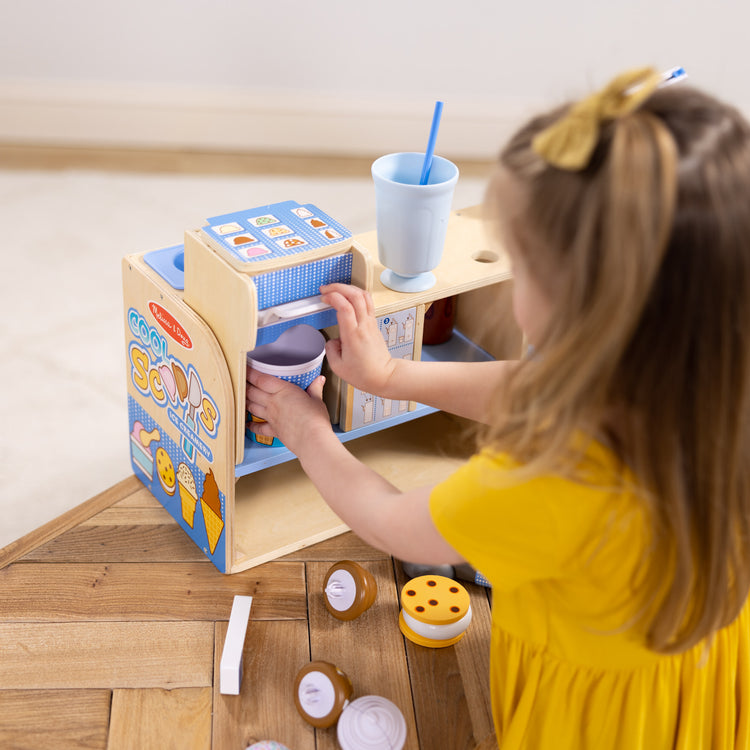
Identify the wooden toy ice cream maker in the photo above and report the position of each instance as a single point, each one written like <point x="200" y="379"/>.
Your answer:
<point x="193" y="313"/>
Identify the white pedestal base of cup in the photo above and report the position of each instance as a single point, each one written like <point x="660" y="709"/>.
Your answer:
<point x="419" y="283"/>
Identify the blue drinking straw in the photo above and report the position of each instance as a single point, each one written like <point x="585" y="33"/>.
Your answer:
<point x="427" y="166"/>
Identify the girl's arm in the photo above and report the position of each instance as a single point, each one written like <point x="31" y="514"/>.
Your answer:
<point x="396" y="522"/>
<point x="360" y="357"/>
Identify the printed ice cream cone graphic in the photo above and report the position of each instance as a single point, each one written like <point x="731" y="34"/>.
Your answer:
<point x="188" y="494"/>
<point x="211" y="507"/>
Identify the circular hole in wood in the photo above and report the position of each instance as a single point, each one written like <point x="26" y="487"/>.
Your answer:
<point x="485" y="256"/>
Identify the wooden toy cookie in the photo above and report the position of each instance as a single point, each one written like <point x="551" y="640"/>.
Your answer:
<point x="349" y="590"/>
<point x="435" y="611"/>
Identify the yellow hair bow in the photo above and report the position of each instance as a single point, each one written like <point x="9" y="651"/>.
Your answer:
<point x="569" y="142"/>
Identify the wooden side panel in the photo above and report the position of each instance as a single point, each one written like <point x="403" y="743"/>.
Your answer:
<point x="227" y="301"/>
<point x="181" y="410"/>
<point x="485" y="316"/>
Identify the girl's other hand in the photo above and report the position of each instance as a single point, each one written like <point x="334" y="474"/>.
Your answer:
<point x="360" y="355"/>
<point x="294" y="416"/>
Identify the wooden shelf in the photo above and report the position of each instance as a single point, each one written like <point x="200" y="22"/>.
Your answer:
<point x="278" y="510"/>
<point x="457" y="349"/>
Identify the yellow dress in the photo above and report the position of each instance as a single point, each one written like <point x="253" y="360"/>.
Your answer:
<point x="569" y="665"/>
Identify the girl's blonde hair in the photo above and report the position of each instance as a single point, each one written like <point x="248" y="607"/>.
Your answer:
<point x="645" y="254"/>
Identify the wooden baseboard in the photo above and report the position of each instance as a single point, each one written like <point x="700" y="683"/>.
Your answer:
<point x="195" y="162"/>
<point x="245" y="121"/>
<point x="17" y="549"/>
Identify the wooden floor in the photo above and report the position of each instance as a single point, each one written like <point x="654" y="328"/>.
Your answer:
<point x="112" y="624"/>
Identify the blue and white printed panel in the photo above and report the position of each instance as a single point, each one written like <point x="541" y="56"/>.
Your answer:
<point x="274" y="231"/>
<point x="304" y="280"/>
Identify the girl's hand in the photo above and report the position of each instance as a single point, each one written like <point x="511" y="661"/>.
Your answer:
<point x="292" y="415"/>
<point x="360" y="355"/>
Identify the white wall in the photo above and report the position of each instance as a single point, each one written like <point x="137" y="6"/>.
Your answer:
<point x="337" y="76"/>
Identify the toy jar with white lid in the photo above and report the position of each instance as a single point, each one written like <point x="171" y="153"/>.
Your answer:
<point x="349" y="590"/>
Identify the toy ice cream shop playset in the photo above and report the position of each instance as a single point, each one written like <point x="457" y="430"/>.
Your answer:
<point x="245" y="288"/>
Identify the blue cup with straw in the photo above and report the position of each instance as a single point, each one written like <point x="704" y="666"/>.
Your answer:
<point x="413" y="196"/>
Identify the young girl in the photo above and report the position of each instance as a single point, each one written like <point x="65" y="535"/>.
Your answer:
<point x="609" y="501"/>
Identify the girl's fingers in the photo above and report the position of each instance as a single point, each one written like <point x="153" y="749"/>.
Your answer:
<point x="255" y="402"/>
<point x="260" y="387"/>
<point x="315" y="389"/>
<point x="333" y="349"/>
<point x="359" y="299"/>
<point x="362" y="304"/>
<point x="264" y="382"/>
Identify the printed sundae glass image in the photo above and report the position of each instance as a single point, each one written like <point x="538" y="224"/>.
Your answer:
<point x="140" y="440"/>
<point x="188" y="493"/>
<point x="211" y="507"/>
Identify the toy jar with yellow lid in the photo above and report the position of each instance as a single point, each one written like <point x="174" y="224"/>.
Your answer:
<point x="435" y="611"/>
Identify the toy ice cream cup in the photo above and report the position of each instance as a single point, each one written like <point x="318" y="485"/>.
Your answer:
<point x="349" y="590"/>
<point x="321" y="691"/>
<point x="411" y="219"/>
<point x="297" y="356"/>
<point x="435" y="611"/>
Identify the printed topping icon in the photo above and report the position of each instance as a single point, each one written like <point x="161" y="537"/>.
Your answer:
<point x="188" y="493"/>
<point x="303" y="213"/>
<point x="243" y="239"/>
<point x="211" y="507"/>
<point x="291" y="242"/>
<point x="316" y="223"/>
<point x="277" y="231"/>
<point x="165" y="471"/>
<point x="254" y="250"/>
<point x="229" y="228"/>
<point x="263" y="221"/>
